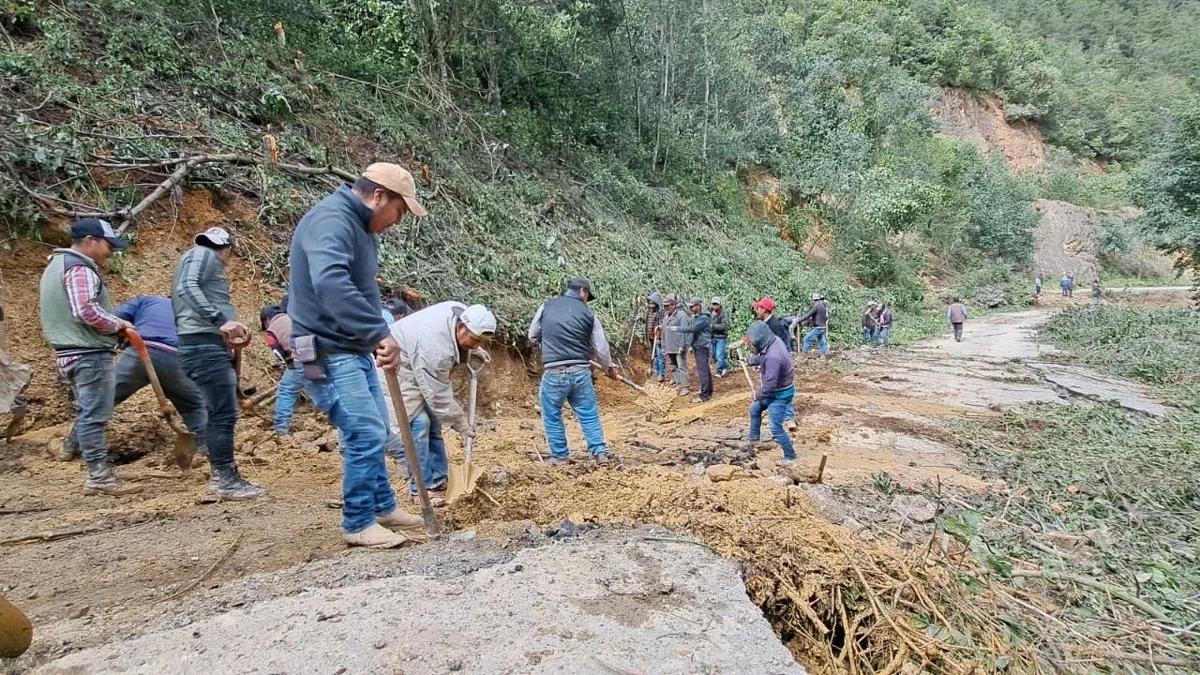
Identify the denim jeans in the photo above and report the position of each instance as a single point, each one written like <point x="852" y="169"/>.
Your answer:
<point x="574" y="387"/>
<point x="660" y="361"/>
<point x="431" y="450"/>
<point x="703" y="372"/>
<point x="720" y="350"/>
<point x="286" y="396"/>
<point x="178" y="388"/>
<point x="211" y="368"/>
<point x="817" y="334"/>
<point x="776" y="409"/>
<point x="92" y="382"/>
<point x="351" y="397"/>
<point x="884" y="337"/>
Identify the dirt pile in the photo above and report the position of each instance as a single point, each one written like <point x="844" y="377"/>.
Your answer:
<point x="1068" y="240"/>
<point x="980" y="120"/>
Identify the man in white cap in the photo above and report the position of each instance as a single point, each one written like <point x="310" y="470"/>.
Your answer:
<point x="79" y="324"/>
<point x="433" y="341"/>
<point x="207" y="325"/>
<point x="337" y="323"/>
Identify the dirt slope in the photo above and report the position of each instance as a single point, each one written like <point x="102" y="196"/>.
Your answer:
<point x="980" y="119"/>
<point x="1068" y="241"/>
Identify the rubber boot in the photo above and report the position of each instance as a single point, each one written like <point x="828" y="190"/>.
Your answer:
<point x="102" y="480"/>
<point x="227" y="483"/>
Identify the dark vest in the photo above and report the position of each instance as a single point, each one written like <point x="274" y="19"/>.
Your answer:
<point x="566" y="331"/>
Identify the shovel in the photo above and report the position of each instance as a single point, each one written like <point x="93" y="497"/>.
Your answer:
<point x="410" y="454"/>
<point x="461" y="480"/>
<point x="630" y="383"/>
<point x="185" y="444"/>
<point x="745" y="368"/>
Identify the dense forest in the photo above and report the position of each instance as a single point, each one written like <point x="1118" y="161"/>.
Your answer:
<point x="697" y="146"/>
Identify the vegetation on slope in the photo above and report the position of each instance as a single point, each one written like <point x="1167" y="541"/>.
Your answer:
<point x="614" y="139"/>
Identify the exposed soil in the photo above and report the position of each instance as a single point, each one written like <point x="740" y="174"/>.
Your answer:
<point x="877" y="416"/>
<point x="980" y="119"/>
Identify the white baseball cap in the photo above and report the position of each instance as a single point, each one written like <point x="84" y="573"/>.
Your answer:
<point x="216" y="237"/>
<point x="479" y="320"/>
<point x="716" y="301"/>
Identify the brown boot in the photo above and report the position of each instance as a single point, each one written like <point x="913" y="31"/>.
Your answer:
<point x="375" y="536"/>
<point x="404" y="523"/>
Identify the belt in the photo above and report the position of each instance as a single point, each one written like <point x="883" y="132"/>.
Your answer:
<point x="566" y="369"/>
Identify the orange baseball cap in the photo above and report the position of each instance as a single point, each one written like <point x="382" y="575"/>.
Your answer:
<point x="397" y="179"/>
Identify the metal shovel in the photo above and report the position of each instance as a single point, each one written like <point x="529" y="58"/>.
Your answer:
<point x="628" y="382"/>
<point x="185" y="444"/>
<point x="461" y="480"/>
<point x="410" y="454"/>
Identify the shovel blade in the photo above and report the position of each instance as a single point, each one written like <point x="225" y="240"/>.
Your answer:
<point x="461" y="481"/>
<point x="185" y="449"/>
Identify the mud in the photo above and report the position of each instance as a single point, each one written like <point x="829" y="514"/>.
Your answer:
<point x="881" y="417"/>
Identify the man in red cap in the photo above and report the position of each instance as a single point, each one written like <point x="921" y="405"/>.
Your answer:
<point x="764" y="310"/>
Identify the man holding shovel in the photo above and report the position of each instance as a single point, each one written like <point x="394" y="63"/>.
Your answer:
<point x="569" y="333"/>
<point x="78" y="323"/>
<point x="154" y="320"/>
<point x="337" y="324"/>
<point x="433" y="341"/>
<point x="207" y="324"/>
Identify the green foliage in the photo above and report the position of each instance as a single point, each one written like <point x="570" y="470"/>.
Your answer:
<point x="1156" y="346"/>
<point x="1066" y="179"/>
<point x="1118" y="481"/>
<point x="1167" y="186"/>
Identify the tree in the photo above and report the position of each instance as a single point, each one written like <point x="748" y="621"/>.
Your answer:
<point x="1167" y="186"/>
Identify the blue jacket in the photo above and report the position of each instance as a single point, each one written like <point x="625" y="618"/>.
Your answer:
<point x="152" y="317"/>
<point x="773" y="360"/>
<point x="333" y="294"/>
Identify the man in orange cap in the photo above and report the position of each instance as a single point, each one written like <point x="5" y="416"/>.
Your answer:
<point x="337" y="323"/>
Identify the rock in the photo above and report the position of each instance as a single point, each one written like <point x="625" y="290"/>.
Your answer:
<point x="498" y="476"/>
<point x="379" y="644"/>
<point x="465" y="535"/>
<point x="304" y="437"/>
<point x="914" y="507"/>
<point x="782" y="481"/>
<point x="455" y="665"/>
<point x="649" y="417"/>
<point x="16" y="632"/>
<point x="266" y="448"/>
<point x="722" y="472"/>
<point x="80" y="612"/>
<point x="527" y="425"/>
<point x="824" y="436"/>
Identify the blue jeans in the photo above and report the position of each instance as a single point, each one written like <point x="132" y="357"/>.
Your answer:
<point x="177" y="387"/>
<point x="93" y="379"/>
<point x="884" y="337"/>
<point x="720" y="349"/>
<point x="431" y="450"/>
<point x="286" y="397"/>
<point x="211" y="368"/>
<point x="776" y="409"/>
<point x="817" y="334"/>
<point x="574" y="387"/>
<point x="351" y="397"/>
<point x="660" y="361"/>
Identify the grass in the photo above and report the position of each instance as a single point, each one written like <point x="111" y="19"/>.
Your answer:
<point x="1147" y="282"/>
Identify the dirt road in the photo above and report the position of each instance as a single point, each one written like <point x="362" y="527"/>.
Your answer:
<point x="124" y="566"/>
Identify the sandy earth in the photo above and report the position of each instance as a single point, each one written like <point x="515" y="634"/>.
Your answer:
<point x="129" y="573"/>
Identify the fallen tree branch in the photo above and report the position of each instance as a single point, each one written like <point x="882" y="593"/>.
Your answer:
<point x="1115" y="591"/>
<point x="1152" y="659"/>
<point x="212" y="568"/>
<point x="182" y="166"/>
<point x="57" y="535"/>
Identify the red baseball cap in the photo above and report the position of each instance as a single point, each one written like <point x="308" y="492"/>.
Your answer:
<point x="766" y="303"/>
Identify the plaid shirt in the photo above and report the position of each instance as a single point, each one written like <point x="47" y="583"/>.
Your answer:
<point x="83" y="292"/>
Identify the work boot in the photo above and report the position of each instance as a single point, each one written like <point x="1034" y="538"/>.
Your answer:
<point x="605" y="459"/>
<point x="102" y="480"/>
<point x="227" y="483"/>
<point x="375" y="536"/>
<point x="68" y="450"/>
<point x="403" y="522"/>
<point x="559" y="462"/>
<point x="437" y="498"/>
<point x="662" y="378"/>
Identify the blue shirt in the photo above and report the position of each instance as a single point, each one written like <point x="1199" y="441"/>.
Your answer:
<point x="152" y="317"/>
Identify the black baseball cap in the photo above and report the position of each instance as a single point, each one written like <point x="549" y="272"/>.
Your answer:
<point x="100" y="229"/>
<point x="581" y="283"/>
<point x="396" y="306"/>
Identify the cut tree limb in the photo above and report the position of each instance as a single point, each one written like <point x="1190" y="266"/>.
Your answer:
<point x="1115" y="591"/>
